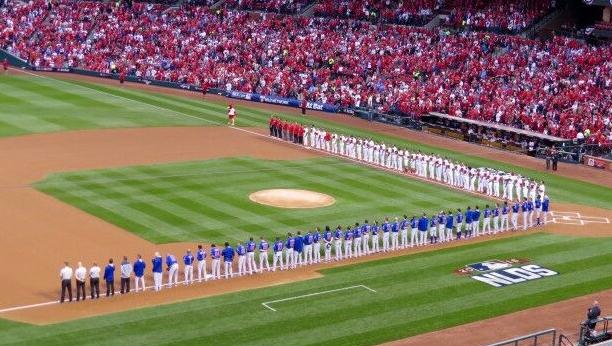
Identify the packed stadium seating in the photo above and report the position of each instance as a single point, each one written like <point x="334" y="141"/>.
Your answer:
<point x="278" y="6"/>
<point x="500" y="16"/>
<point x="558" y="87"/>
<point x="416" y="12"/>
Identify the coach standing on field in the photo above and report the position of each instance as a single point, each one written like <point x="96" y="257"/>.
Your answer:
<point x="79" y="274"/>
<point x="66" y="276"/>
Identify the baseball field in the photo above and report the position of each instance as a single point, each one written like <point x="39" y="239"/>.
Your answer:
<point x="92" y="169"/>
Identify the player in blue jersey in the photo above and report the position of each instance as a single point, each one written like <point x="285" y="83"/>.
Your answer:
<point x="308" y="240"/>
<point x="516" y="207"/>
<point x="263" y="254"/>
<point x="530" y="212"/>
<point x="476" y="222"/>
<point x="395" y="228"/>
<point x="201" y="257"/>
<point x="328" y="238"/>
<point x="538" y="209"/>
<point x="188" y="260"/>
<point x="404" y="232"/>
<point x="348" y="242"/>
<point x="441" y="222"/>
<point x="289" y="243"/>
<point x="423" y="226"/>
<point x="250" y="247"/>
<point x="545" y="209"/>
<point x="433" y="229"/>
<point x="468" y="222"/>
<point x="215" y="255"/>
<point x="459" y="223"/>
<point x="495" y="213"/>
<point x="524" y="207"/>
<point x="505" y="226"/>
<point x="228" y="261"/>
<point x="366" y="229"/>
<point x="278" y="254"/>
<point x="241" y="252"/>
<point x="375" y="232"/>
<point x="486" y="221"/>
<point x="298" y="250"/>
<point x="450" y="220"/>
<point x="414" y="231"/>
<point x="357" y="240"/>
<point x="386" y="228"/>
<point x="338" y="235"/>
<point x="316" y="246"/>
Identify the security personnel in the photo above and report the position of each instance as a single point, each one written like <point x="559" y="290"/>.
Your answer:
<point x="80" y="274"/>
<point x="94" y="280"/>
<point x="139" y="268"/>
<point x="66" y="277"/>
<point x="109" y="278"/>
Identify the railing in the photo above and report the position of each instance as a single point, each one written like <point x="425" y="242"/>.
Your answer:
<point x="564" y="341"/>
<point x="538" y="338"/>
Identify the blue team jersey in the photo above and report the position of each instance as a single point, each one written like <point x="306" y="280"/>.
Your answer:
<point x="538" y="203"/>
<point x="307" y="239"/>
<point x="157" y="264"/>
<point x="404" y="224"/>
<point x="468" y="216"/>
<point x="278" y="246"/>
<point x="395" y="227"/>
<point x="505" y="209"/>
<point x="496" y="212"/>
<point x="432" y="221"/>
<point x="475" y="215"/>
<point x="386" y="227"/>
<point x="228" y="254"/>
<point x="375" y="229"/>
<point x="338" y="234"/>
<point x="524" y="207"/>
<point x="299" y="244"/>
<point x="441" y="219"/>
<point x="348" y="235"/>
<point x="449" y="221"/>
<point x="201" y="255"/>
<point x="251" y="246"/>
<point x="215" y="253"/>
<point x="316" y="237"/>
<point x="241" y="250"/>
<point x="487" y="213"/>
<point x="414" y="223"/>
<point x="423" y="223"/>
<point x="327" y="236"/>
<point x="545" y="204"/>
<point x="188" y="259"/>
<point x="529" y="206"/>
<point x="290" y="242"/>
<point x="459" y="218"/>
<point x="366" y="228"/>
<point x="263" y="246"/>
<point x="170" y="260"/>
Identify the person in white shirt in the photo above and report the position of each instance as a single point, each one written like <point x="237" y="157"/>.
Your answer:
<point x="66" y="277"/>
<point x="94" y="281"/>
<point x="126" y="273"/>
<point x="79" y="274"/>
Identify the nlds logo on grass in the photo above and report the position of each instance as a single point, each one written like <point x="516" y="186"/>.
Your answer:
<point x="498" y="273"/>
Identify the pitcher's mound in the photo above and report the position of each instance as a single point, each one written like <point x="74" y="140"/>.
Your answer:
<point x="292" y="198"/>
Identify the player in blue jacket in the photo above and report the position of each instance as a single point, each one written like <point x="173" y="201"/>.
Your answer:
<point x="157" y="268"/>
<point x="459" y="223"/>
<point x="538" y="210"/>
<point x="468" y="222"/>
<point x="298" y="250"/>
<point x="423" y="229"/>
<point x="228" y="260"/>
<point x="109" y="278"/>
<point x="308" y="241"/>
<point x="516" y="207"/>
<point x="545" y="209"/>
<point x="450" y="220"/>
<point x="139" y="272"/>
<point x="530" y="212"/>
<point x="476" y="222"/>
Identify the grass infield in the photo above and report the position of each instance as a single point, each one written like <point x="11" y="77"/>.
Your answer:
<point x="32" y="104"/>
<point x="208" y="201"/>
<point x="414" y="294"/>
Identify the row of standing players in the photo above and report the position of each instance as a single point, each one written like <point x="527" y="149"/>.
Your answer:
<point x="459" y="175"/>
<point x="299" y="250"/>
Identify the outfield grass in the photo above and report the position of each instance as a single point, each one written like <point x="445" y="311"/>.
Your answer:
<point x="415" y="294"/>
<point x="37" y="104"/>
<point x="208" y="201"/>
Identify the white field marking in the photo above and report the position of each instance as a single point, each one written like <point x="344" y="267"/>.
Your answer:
<point x="575" y="218"/>
<point x="267" y="304"/>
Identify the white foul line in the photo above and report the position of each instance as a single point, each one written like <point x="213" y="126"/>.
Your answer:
<point x="266" y="304"/>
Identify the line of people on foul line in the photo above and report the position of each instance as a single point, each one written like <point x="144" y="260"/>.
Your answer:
<point x="489" y="181"/>
<point x="298" y="250"/>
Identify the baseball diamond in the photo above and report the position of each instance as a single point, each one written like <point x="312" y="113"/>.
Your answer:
<point x="169" y="178"/>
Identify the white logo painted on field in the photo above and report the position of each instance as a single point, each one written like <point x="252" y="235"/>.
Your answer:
<point x="575" y="218"/>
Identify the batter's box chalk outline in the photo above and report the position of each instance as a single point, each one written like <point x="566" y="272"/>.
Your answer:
<point x="267" y="304"/>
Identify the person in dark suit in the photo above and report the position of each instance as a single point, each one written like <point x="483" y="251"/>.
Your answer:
<point x="109" y="278"/>
<point x="593" y="314"/>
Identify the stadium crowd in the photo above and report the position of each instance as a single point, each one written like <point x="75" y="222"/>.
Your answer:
<point x="499" y="16"/>
<point x="415" y="12"/>
<point x="559" y="87"/>
<point x="277" y="6"/>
